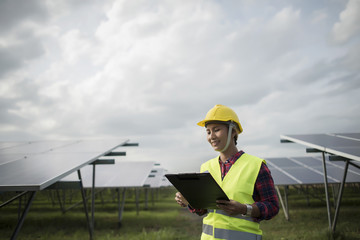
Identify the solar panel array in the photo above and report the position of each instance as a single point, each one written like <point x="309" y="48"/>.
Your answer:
<point x="308" y="170"/>
<point x="345" y="147"/>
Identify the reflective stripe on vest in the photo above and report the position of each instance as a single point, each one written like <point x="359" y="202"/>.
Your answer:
<point x="208" y="229"/>
<point x="229" y="234"/>
<point x="240" y="216"/>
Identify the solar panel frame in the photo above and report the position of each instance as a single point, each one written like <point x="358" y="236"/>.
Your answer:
<point x="330" y="143"/>
<point x="355" y="136"/>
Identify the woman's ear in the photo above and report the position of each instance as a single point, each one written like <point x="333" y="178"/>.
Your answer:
<point x="234" y="135"/>
<point x="233" y="132"/>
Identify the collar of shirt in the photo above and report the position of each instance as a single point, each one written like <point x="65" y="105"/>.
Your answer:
<point x="225" y="166"/>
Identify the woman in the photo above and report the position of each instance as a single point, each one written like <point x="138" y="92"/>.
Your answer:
<point x="245" y="179"/>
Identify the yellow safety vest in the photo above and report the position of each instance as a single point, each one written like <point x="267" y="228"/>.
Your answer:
<point x="238" y="184"/>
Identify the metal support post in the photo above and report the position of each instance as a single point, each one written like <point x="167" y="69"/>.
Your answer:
<point x="340" y="195"/>
<point x="335" y="190"/>
<point x="326" y="190"/>
<point x="137" y="200"/>
<point x="22" y="218"/>
<point x="62" y="208"/>
<point x="152" y="197"/>
<point x="286" y="200"/>
<point x="93" y="198"/>
<point x="13" y="199"/>
<point x="121" y="205"/>
<point x="19" y="207"/>
<point x="284" y="206"/>
<point x="307" y="195"/>
<point x="91" y="230"/>
<point x="146" y="198"/>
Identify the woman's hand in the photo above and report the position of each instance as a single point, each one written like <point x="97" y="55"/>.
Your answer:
<point x="179" y="198"/>
<point x="231" y="207"/>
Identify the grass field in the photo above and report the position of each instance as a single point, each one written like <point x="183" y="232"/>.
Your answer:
<point x="165" y="220"/>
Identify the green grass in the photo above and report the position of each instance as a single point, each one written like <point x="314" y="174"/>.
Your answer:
<point x="164" y="219"/>
<point x="310" y="220"/>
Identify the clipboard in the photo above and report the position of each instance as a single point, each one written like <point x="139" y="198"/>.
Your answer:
<point x="200" y="189"/>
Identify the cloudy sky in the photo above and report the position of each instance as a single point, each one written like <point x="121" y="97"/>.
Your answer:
<point x="149" y="70"/>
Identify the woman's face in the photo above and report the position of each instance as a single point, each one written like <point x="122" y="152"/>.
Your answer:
<point x="217" y="135"/>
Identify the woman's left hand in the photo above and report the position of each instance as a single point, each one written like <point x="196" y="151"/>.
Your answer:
<point x="179" y="198"/>
<point x="231" y="207"/>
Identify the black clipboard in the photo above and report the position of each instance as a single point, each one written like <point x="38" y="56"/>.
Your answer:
<point x="200" y="189"/>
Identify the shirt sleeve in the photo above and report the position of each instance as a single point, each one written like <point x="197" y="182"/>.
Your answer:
<point x="265" y="196"/>
<point x="199" y="212"/>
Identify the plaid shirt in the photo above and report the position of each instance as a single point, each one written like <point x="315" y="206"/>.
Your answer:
<point x="264" y="195"/>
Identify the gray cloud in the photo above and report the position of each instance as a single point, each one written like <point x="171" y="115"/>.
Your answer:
<point x="14" y="13"/>
<point x="348" y="24"/>
<point x="15" y="56"/>
<point x="150" y="71"/>
<point x="23" y="94"/>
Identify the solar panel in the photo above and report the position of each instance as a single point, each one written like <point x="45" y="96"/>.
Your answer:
<point x="37" y="147"/>
<point x="355" y="136"/>
<point x="164" y="181"/>
<point x="5" y="158"/>
<point x="120" y="174"/>
<point x="345" y="145"/>
<point x="12" y="151"/>
<point x="10" y="144"/>
<point x="348" y="152"/>
<point x="36" y="165"/>
<point x="33" y="166"/>
<point x="308" y="170"/>
<point x="342" y="144"/>
<point x="155" y="178"/>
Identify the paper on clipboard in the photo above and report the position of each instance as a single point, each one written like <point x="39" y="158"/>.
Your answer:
<point x="200" y="189"/>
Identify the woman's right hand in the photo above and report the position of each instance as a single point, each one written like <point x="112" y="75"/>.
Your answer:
<point x="179" y="198"/>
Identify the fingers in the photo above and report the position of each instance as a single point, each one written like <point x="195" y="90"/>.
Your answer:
<point x="180" y="200"/>
<point x="223" y="202"/>
<point x="231" y="207"/>
<point x="178" y="195"/>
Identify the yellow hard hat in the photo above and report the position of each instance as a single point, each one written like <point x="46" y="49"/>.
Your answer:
<point x="221" y="113"/>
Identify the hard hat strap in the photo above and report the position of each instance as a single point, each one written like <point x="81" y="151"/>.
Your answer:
<point x="231" y="126"/>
